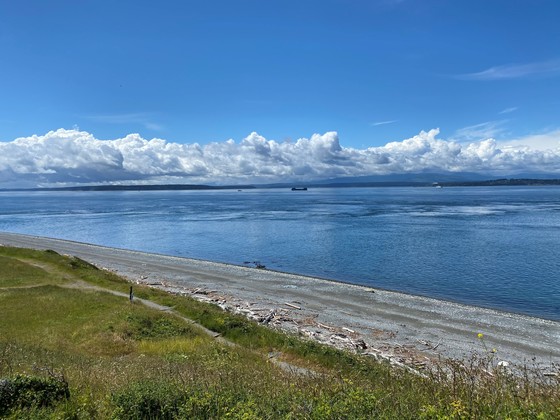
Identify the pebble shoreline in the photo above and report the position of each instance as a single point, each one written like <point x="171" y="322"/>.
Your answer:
<point x="406" y="330"/>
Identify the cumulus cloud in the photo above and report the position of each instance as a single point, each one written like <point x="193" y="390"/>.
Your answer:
<point x="543" y="142"/>
<point x="69" y="157"/>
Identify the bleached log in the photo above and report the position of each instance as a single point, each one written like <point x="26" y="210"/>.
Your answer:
<point x="269" y="317"/>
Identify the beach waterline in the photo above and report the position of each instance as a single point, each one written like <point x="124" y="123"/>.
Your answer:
<point x="385" y="319"/>
<point x="493" y="247"/>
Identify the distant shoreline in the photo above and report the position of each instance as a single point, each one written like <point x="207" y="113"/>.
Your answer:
<point x="201" y="187"/>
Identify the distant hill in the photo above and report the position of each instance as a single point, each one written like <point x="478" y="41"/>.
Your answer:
<point x="156" y="187"/>
<point x="426" y="179"/>
<point x="422" y="177"/>
<point x="503" y="181"/>
<point x="448" y="179"/>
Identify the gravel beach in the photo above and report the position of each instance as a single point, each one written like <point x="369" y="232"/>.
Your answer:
<point x="405" y="329"/>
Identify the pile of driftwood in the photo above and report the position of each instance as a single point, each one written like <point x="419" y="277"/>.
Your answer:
<point x="291" y="317"/>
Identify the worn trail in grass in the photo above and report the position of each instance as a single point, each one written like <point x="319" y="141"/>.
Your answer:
<point x="63" y="317"/>
<point x="35" y="275"/>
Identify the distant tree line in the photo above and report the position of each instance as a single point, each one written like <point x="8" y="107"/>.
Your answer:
<point x="501" y="182"/>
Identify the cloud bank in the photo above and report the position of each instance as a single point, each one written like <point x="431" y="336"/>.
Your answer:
<point x="70" y="157"/>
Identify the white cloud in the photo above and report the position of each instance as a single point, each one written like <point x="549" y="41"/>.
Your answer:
<point x="542" y="142"/>
<point x="142" y="118"/>
<point x="482" y="131"/>
<point x="375" y="124"/>
<point x="508" y="110"/>
<point x="515" y="71"/>
<point x="65" y="157"/>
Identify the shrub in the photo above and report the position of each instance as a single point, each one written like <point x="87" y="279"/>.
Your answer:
<point x="23" y="391"/>
<point x="148" y="400"/>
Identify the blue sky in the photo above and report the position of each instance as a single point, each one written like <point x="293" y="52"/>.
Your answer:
<point x="199" y="71"/>
<point x="375" y="71"/>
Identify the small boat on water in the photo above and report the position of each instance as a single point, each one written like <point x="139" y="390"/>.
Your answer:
<point x="299" y="188"/>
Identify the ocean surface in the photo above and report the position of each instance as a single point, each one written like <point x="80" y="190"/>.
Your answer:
<point x="496" y="247"/>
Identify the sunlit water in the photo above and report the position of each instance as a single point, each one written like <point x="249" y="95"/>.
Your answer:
<point x="497" y="247"/>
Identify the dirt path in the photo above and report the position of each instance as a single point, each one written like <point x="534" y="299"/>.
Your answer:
<point x="403" y="328"/>
<point x="274" y="358"/>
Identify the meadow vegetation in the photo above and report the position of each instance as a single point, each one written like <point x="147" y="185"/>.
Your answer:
<point x="72" y="348"/>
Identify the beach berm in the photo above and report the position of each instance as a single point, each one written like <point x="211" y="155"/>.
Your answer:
<point x="69" y="325"/>
<point x="394" y="324"/>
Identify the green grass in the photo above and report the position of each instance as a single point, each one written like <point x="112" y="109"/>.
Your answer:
<point x="124" y="360"/>
<point x="16" y="273"/>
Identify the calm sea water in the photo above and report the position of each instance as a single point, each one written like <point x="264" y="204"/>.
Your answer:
<point x="494" y="247"/>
